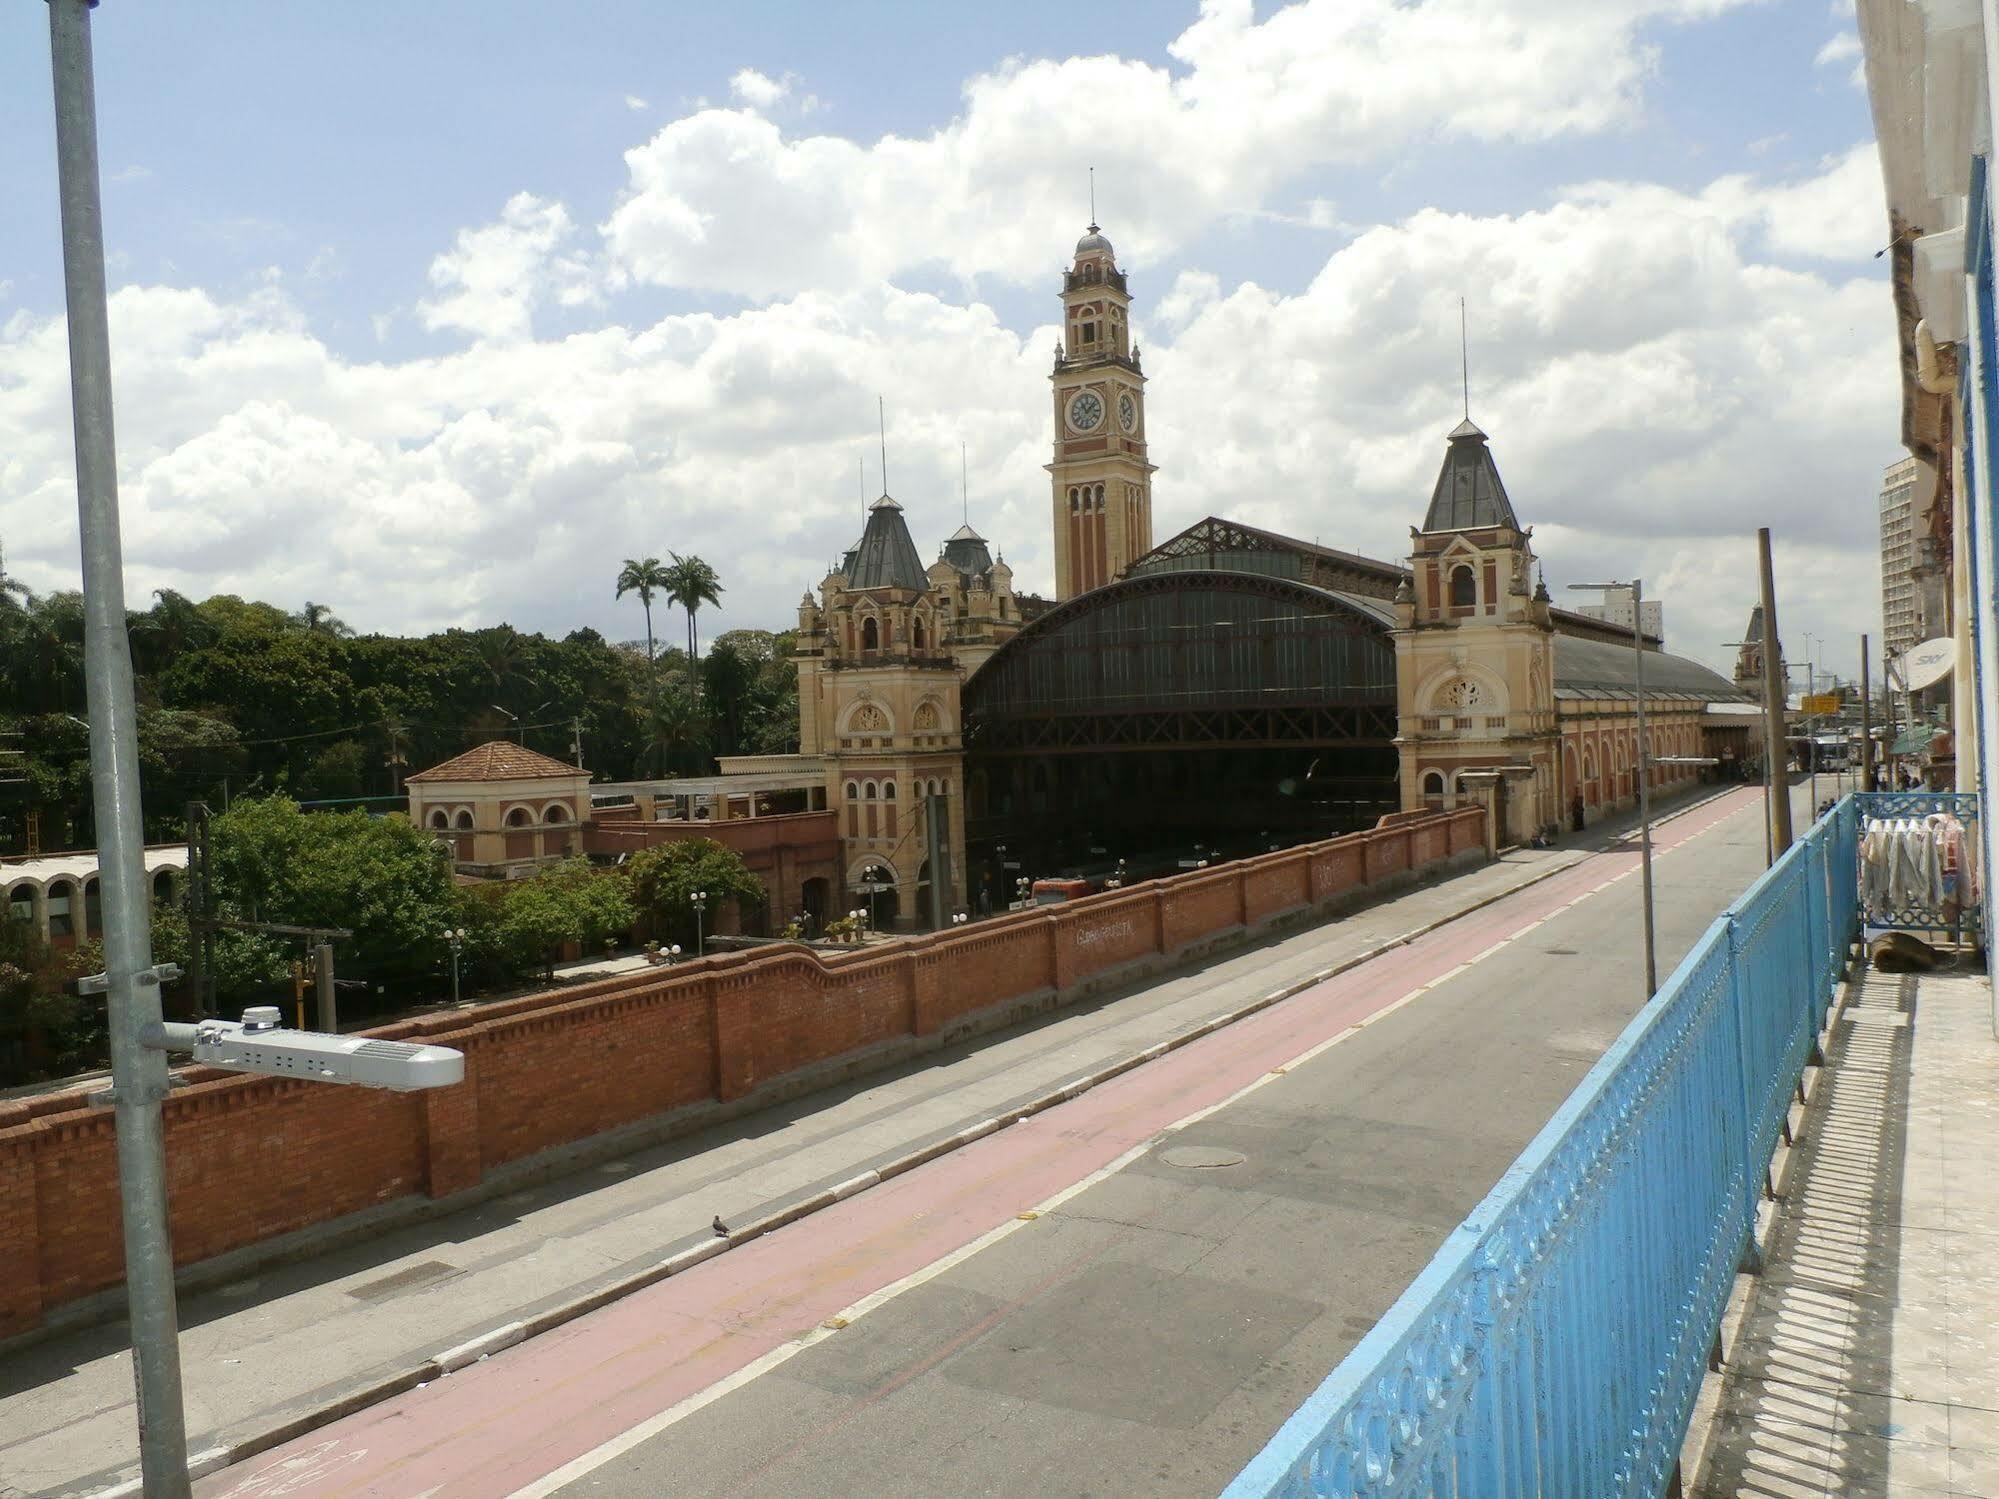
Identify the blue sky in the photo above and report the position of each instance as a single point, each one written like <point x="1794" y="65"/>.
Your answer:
<point x="339" y="305"/>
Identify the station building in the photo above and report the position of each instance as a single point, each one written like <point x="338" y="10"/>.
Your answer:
<point x="1226" y="691"/>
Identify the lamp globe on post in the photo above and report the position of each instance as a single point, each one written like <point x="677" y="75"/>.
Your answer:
<point x="699" y="900"/>
<point x="454" y="938"/>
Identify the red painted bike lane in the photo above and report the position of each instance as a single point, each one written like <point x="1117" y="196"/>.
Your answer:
<point x="492" y="1428"/>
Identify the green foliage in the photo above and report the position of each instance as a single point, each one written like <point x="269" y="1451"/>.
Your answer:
<point x="376" y="876"/>
<point x="55" y="1030"/>
<point x="647" y="577"/>
<point x="665" y="876"/>
<point x="691" y="583"/>
<point x="531" y="919"/>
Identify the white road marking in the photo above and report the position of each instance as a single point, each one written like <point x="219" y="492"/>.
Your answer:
<point x="645" y="1431"/>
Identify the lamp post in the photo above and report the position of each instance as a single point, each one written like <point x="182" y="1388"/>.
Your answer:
<point x="699" y="900"/>
<point x="1812" y="718"/>
<point x="455" y="938"/>
<point x="1636" y="588"/>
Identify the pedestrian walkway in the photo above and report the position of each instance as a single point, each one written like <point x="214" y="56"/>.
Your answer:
<point x="1867" y="1362"/>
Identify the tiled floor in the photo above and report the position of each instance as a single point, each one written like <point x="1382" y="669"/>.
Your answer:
<point x="1868" y="1361"/>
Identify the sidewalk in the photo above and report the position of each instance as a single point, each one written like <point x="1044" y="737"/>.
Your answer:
<point x="1868" y="1359"/>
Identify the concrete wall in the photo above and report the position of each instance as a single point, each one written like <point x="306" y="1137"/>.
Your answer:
<point x="607" y="1065"/>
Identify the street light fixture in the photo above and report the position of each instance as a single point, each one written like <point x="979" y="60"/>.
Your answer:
<point x="455" y="938"/>
<point x="1636" y="588"/>
<point x="699" y="899"/>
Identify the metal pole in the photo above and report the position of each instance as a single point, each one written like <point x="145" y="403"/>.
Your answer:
<point x="1812" y="728"/>
<point x="329" y="1020"/>
<point x="937" y="836"/>
<point x="1644" y="796"/>
<point x="1866" y="721"/>
<point x="138" y="1074"/>
<point x="1773" y="706"/>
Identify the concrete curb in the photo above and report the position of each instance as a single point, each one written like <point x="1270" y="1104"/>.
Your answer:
<point x="450" y="1360"/>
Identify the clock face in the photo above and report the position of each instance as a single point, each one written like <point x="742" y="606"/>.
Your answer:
<point x="1127" y="411"/>
<point x="1086" y="410"/>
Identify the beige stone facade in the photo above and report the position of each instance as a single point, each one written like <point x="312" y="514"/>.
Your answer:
<point x="503" y="808"/>
<point x="882" y="653"/>
<point x="1475" y="654"/>
<point x="1102" y="483"/>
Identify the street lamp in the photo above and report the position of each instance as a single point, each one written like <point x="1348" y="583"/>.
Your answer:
<point x="455" y="936"/>
<point x="1636" y="588"/>
<point x="700" y="902"/>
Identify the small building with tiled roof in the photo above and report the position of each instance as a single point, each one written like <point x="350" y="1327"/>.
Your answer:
<point x="502" y="808"/>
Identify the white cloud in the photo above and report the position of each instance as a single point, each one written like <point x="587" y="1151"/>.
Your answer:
<point x="1841" y="214"/>
<point x="1655" y="384"/>
<point x="723" y="200"/>
<point x="759" y="90"/>
<point x="1839" y="48"/>
<point x="634" y="102"/>
<point x="493" y="277"/>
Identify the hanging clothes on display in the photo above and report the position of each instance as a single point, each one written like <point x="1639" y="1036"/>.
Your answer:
<point x="1917" y="871"/>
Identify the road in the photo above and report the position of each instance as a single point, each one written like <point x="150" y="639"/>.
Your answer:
<point x="1102" y="1299"/>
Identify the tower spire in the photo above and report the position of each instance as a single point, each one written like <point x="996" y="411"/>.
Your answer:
<point x="1093" y="199"/>
<point x="1464" y="358"/>
<point x="881" y="424"/>
<point x="964" y="482"/>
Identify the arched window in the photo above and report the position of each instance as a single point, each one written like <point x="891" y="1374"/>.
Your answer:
<point x="464" y="817"/>
<point x="60" y="895"/>
<point x="21" y="903"/>
<point x="870" y="635"/>
<point x="555" y="812"/>
<point x="916" y="634"/>
<point x="520" y="817"/>
<point x="868" y="790"/>
<point x="1464" y="589"/>
<point x="1433" y="789"/>
<point x="439" y="818"/>
<point x="888" y="791"/>
<point x="163" y="886"/>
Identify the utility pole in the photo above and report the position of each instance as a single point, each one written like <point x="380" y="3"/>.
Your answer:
<point x="576" y="741"/>
<point x="329" y="1019"/>
<point x="132" y="983"/>
<point x="1866" y="721"/>
<point x="1773" y="706"/>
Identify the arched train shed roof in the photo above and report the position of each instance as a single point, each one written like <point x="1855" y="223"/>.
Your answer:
<point x="1166" y="659"/>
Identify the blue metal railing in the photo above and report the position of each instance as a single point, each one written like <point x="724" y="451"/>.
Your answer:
<point x="1555" y="1344"/>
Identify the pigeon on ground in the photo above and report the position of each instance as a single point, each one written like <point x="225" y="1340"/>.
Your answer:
<point x="721" y="1228"/>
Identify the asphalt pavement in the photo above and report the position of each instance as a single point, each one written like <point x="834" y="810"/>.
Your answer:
<point x="1124" y="1294"/>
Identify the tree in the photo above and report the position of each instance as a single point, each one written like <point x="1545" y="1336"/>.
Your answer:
<point x="673" y="723"/>
<point x="319" y="619"/>
<point x="14" y="594"/>
<point x="690" y="584"/>
<point x="379" y="877"/>
<point x="570" y="903"/>
<point x="665" y="876"/>
<point x="645" y="576"/>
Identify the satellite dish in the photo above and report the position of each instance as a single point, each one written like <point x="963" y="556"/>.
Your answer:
<point x="1929" y="663"/>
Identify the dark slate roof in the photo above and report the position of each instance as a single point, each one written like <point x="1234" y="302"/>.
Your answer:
<point x="1597" y="668"/>
<point x="1468" y="496"/>
<point x="885" y="557"/>
<point x="965" y="550"/>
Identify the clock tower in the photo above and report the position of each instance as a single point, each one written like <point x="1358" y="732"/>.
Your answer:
<point x="1102" y="482"/>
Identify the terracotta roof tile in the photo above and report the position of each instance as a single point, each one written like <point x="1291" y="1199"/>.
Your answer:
<point x="496" y="760"/>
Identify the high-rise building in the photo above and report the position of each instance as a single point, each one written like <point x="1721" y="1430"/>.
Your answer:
<point x="1102" y="482"/>
<point x="1901" y="610"/>
<point x="1616" y="610"/>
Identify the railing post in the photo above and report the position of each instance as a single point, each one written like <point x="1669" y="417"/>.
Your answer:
<point x="1744" y="1116"/>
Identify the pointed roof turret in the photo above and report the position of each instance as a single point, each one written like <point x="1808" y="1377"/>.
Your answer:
<point x="1469" y="495"/>
<point x="965" y="550"/>
<point x="885" y="557"/>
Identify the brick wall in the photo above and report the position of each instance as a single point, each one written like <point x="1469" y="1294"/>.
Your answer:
<point x="253" y="1158"/>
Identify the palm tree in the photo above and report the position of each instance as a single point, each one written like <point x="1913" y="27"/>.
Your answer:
<point x="645" y="577"/>
<point x="319" y="619"/>
<point x="672" y="722"/>
<point x="690" y="583"/>
<point x="14" y="594"/>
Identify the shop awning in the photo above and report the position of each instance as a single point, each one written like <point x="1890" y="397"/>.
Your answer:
<point x="1914" y="742"/>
